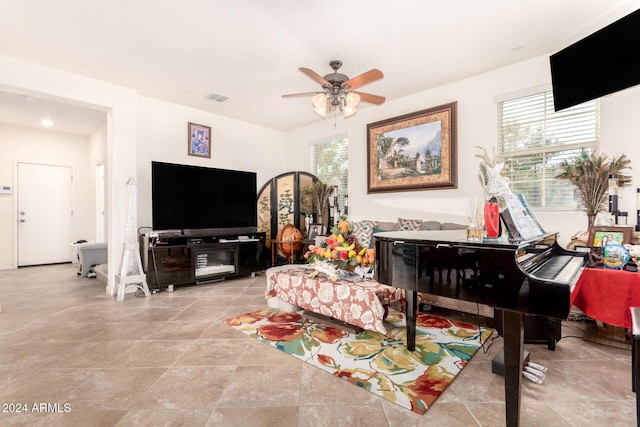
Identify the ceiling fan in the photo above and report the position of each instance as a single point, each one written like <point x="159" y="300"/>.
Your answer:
<point x="337" y="90"/>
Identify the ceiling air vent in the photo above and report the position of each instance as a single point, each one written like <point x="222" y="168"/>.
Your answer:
<point x="216" y="97"/>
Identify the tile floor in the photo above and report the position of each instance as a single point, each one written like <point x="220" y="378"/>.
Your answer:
<point x="167" y="360"/>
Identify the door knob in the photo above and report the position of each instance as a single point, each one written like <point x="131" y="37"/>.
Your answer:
<point x="22" y="220"/>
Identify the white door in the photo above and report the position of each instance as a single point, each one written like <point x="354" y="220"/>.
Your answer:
<point x="45" y="214"/>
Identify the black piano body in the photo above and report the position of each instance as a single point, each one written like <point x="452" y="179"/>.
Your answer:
<point x="533" y="277"/>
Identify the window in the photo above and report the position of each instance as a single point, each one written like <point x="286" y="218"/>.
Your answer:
<point x="330" y="163"/>
<point x="533" y="140"/>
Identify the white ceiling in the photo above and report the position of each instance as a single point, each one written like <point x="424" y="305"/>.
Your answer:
<point x="250" y="50"/>
<point x="29" y="111"/>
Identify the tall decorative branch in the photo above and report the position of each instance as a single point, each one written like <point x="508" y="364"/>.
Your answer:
<point x="590" y="174"/>
<point x="320" y="194"/>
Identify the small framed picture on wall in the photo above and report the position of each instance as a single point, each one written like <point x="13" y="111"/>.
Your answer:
<point x="199" y="140"/>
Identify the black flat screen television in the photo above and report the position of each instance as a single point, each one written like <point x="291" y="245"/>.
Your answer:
<point x="605" y="62"/>
<point x="192" y="198"/>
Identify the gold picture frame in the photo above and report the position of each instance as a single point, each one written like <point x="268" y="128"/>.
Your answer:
<point x="199" y="140"/>
<point x="416" y="151"/>
<point x="600" y="236"/>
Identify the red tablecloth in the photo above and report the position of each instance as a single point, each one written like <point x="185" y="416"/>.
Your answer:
<point x="606" y="295"/>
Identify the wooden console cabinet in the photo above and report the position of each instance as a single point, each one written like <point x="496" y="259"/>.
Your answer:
<point x="174" y="259"/>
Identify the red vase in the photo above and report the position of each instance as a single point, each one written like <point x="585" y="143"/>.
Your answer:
<point x="492" y="219"/>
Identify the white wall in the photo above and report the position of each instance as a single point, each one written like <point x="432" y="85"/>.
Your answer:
<point x="18" y="144"/>
<point x="162" y="136"/>
<point x="477" y="126"/>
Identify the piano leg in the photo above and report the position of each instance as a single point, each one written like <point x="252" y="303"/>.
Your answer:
<point x="410" y="310"/>
<point x="513" y="333"/>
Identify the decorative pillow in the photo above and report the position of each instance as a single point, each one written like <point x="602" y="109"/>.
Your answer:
<point x="430" y="225"/>
<point x="453" y="226"/>
<point x="376" y="230"/>
<point x="364" y="232"/>
<point x="387" y="226"/>
<point x="409" y="224"/>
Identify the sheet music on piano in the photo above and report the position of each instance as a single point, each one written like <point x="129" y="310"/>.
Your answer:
<point x="519" y="220"/>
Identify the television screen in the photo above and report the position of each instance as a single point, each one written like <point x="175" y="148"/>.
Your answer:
<point x="604" y="62"/>
<point x="191" y="197"/>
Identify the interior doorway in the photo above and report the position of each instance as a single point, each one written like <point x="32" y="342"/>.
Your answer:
<point x="45" y="214"/>
<point x="100" y="204"/>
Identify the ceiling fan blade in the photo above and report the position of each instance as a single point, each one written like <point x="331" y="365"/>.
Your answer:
<point x="293" y="95"/>
<point x="364" y="78"/>
<point x="315" y="76"/>
<point x="371" y="99"/>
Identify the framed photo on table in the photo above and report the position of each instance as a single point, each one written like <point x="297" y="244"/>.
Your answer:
<point x="199" y="140"/>
<point x="315" y="230"/>
<point x="600" y="236"/>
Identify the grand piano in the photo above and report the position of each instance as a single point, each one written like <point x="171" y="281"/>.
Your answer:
<point x="532" y="277"/>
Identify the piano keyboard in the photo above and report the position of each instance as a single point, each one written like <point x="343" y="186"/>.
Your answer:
<point x="560" y="268"/>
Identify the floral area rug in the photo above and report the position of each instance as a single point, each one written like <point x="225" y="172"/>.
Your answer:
<point x="380" y="364"/>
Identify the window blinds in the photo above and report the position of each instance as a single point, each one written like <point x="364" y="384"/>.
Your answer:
<point x="533" y="140"/>
<point x="330" y="163"/>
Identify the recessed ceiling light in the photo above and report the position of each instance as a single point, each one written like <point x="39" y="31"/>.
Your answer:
<point x="47" y="122"/>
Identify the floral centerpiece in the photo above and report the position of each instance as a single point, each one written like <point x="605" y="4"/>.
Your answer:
<point x="343" y="249"/>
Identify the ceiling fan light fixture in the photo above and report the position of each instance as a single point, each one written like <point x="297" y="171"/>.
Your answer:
<point x="322" y="112"/>
<point x="335" y="91"/>
<point x="319" y="100"/>
<point x="352" y="100"/>
<point x="348" y="111"/>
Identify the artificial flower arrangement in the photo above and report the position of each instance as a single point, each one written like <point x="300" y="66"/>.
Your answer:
<point x="343" y="249"/>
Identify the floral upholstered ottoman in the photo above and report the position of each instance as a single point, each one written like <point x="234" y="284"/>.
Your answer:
<point x="356" y="301"/>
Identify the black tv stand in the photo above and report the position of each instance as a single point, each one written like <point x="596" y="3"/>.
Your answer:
<point x="180" y="258"/>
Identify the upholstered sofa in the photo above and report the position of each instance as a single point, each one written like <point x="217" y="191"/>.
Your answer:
<point x="365" y="229"/>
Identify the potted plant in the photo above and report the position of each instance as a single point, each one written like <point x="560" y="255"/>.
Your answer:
<point x="319" y="194"/>
<point x="590" y="174"/>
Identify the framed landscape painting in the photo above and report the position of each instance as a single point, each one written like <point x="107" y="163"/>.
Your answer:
<point x="199" y="140"/>
<point x="415" y="151"/>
